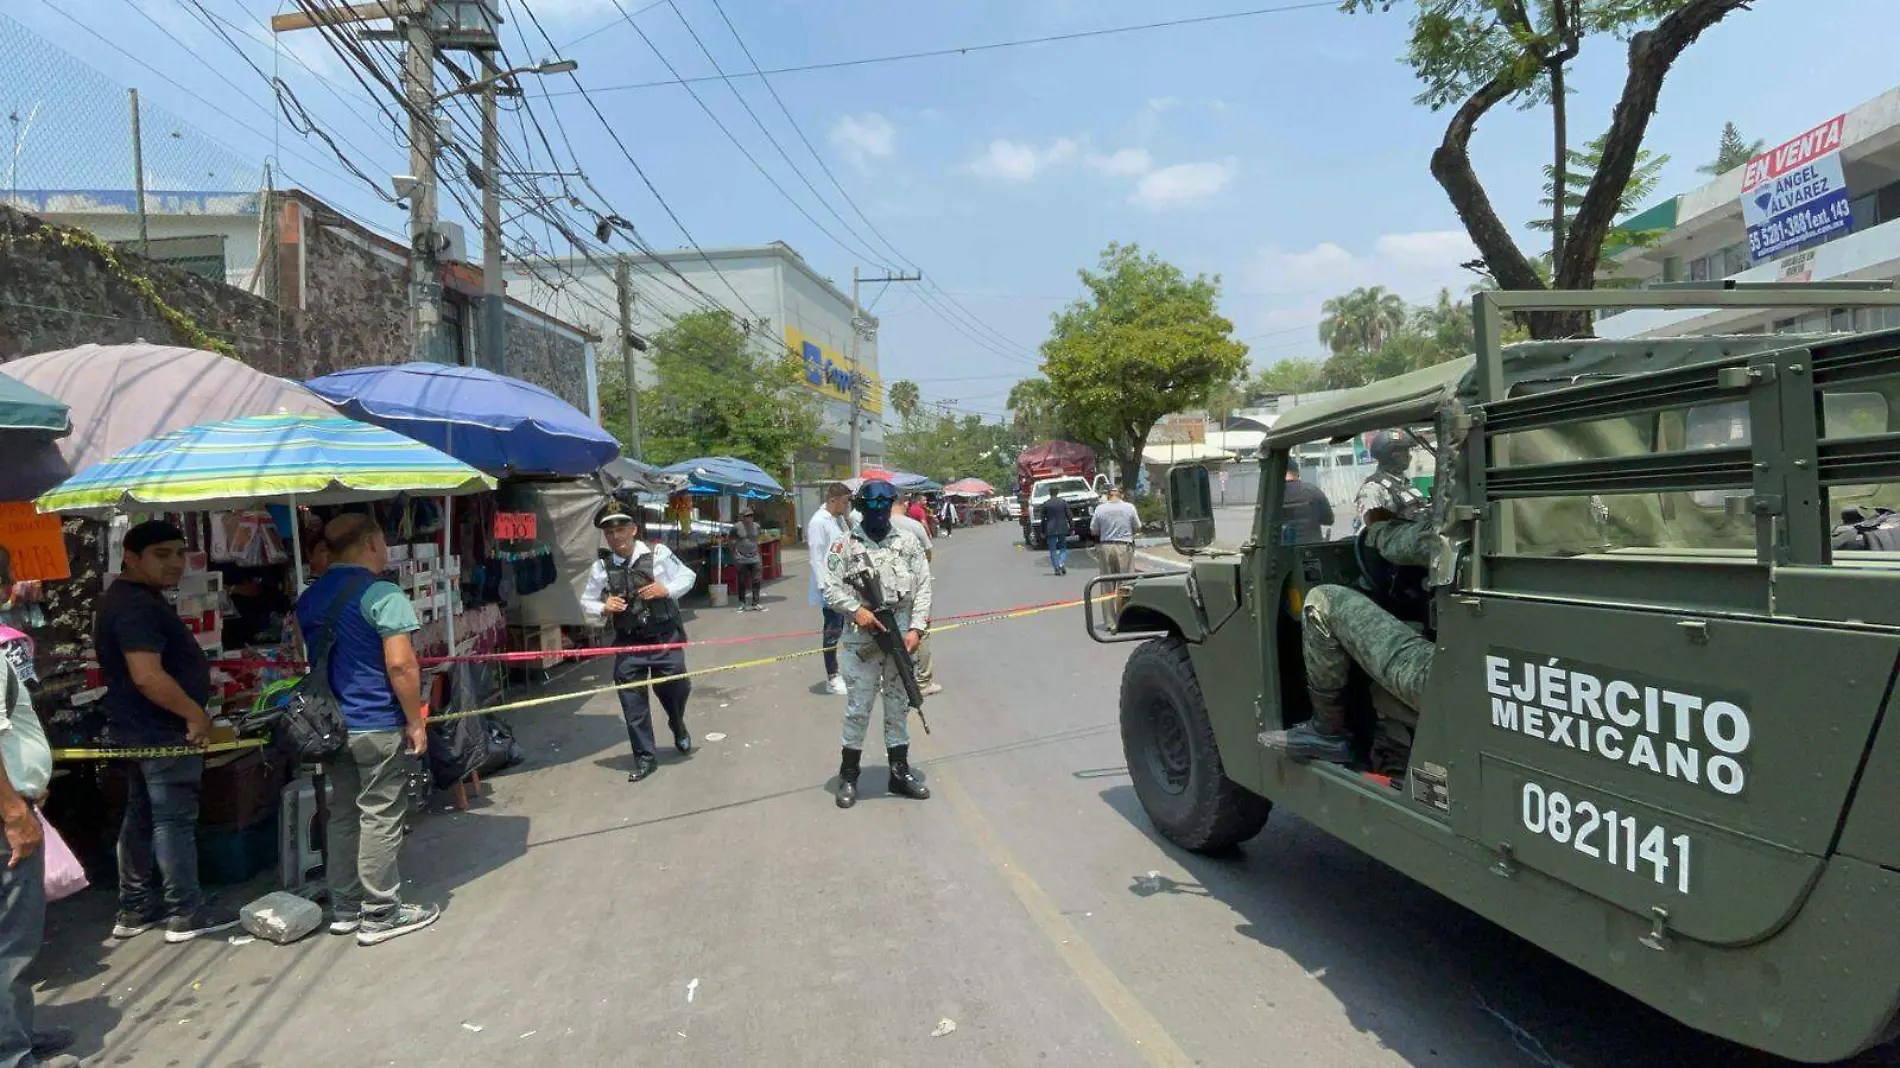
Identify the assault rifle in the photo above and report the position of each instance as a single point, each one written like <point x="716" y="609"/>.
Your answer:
<point x="870" y="589"/>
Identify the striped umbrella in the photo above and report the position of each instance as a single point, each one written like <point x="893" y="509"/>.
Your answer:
<point x="305" y="459"/>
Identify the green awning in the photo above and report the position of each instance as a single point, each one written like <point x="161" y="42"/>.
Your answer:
<point x="24" y="408"/>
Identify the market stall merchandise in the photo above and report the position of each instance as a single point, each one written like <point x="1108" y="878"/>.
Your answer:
<point x="702" y="542"/>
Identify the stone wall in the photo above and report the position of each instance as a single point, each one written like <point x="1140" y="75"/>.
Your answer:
<point x="56" y="292"/>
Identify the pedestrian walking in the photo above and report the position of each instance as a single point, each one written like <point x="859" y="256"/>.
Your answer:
<point x="947" y="517"/>
<point x="896" y="559"/>
<point x="922" y="658"/>
<point x="916" y="510"/>
<point x="1055" y="531"/>
<point x="359" y="625"/>
<point x="157" y="681"/>
<point x="747" y="560"/>
<point x="827" y="525"/>
<point x="1114" y="525"/>
<point x="26" y="767"/>
<point x="638" y="586"/>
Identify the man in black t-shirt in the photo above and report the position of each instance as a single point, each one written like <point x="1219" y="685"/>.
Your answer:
<point x="157" y="683"/>
<point x="1305" y="507"/>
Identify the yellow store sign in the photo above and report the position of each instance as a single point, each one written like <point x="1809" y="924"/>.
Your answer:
<point x="828" y="372"/>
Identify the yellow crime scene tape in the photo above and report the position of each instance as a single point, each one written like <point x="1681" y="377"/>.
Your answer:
<point x="156" y="752"/>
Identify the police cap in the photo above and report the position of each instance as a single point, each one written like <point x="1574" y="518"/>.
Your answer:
<point x="612" y="514"/>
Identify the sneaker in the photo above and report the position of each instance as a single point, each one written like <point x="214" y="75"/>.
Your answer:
<point x="342" y="923"/>
<point x="760" y="608"/>
<point x="407" y="919"/>
<point x="133" y="924"/>
<point x="206" y="920"/>
<point x="835" y="684"/>
<point x="930" y="688"/>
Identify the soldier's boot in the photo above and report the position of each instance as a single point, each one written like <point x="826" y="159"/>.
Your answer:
<point x="848" y="777"/>
<point x="1324" y="737"/>
<point x="902" y="782"/>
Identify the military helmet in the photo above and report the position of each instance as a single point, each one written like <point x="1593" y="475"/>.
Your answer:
<point x="1386" y="444"/>
<point x="875" y="494"/>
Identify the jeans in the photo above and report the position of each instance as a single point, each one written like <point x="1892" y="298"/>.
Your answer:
<point x="636" y="701"/>
<point x="834" y="629"/>
<point x="22" y="925"/>
<point x="364" y="839"/>
<point x="158" y="841"/>
<point x="1058" y="551"/>
<point x="749" y="572"/>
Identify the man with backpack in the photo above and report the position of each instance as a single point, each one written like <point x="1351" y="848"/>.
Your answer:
<point x="357" y="626"/>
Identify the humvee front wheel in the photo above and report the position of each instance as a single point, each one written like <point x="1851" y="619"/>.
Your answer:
<point x="1173" y="759"/>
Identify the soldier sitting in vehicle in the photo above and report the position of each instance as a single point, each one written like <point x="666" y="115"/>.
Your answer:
<point x="1389" y="488"/>
<point x="1343" y="626"/>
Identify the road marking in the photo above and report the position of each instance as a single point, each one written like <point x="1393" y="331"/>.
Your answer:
<point x="1156" y="1046"/>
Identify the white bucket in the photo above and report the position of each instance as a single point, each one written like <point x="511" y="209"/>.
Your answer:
<point x="716" y="593"/>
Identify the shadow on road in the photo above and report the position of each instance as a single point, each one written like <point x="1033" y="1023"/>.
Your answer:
<point x="1414" y="969"/>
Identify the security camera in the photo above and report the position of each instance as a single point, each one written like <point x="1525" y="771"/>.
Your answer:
<point x="405" y="185"/>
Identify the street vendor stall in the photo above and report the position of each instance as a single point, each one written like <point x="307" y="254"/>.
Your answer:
<point x="702" y="543"/>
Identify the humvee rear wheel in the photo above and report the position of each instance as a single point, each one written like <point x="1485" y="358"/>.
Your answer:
<point x="1173" y="759"/>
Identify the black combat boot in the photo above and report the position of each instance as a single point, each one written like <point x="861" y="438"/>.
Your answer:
<point x="902" y="782"/>
<point x="1324" y="737"/>
<point x="848" y="777"/>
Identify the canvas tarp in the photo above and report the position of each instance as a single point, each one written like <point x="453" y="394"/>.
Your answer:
<point x="564" y="517"/>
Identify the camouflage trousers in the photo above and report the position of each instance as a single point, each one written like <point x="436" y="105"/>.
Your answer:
<point x="867" y="673"/>
<point x="925" y="664"/>
<point x="1403" y="542"/>
<point x="1344" y="627"/>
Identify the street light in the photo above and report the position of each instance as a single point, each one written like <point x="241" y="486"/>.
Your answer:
<point x="548" y="66"/>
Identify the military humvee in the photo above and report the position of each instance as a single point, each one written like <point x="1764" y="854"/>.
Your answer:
<point x="1653" y="740"/>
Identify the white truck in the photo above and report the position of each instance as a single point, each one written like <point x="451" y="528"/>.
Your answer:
<point x="1083" y="497"/>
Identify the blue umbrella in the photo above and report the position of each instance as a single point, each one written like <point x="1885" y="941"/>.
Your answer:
<point x="713" y="475"/>
<point x="499" y="424"/>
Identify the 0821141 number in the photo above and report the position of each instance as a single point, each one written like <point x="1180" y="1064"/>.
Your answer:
<point x="1607" y="835"/>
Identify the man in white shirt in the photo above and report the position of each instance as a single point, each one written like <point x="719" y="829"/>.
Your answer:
<point x="830" y="522"/>
<point x="636" y="588"/>
<point x="28" y="768"/>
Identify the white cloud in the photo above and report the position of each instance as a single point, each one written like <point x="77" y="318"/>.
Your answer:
<point x="1183" y="183"/>
<point x="1014" y="161"/>
<point x="864" y="137"/>
<point x="1413" y="264"/>
<point x="1126" y="162"/>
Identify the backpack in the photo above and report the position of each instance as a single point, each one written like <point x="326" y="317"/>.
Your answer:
<point x="305" y="722"/>
<point x="1879" y="533"/>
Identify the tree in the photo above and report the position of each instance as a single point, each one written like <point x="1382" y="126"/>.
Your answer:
<point x="940" y="446"/>
<point x="720" y="393"/>
<point x="1035" y="415"/>
<point x="1361" y="320"/>
<point x="1478" y="54"/>
<point x="1583" y="164"/>
<point x="1291" y="375"/>
<point x="905" y="397"/>
<point x="1731" y="152"/>
<point x="1144" y="341"/>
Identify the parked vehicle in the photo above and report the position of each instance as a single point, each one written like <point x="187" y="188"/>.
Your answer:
<point x="1650" y="735"/>
<point x="1054" y="460"/>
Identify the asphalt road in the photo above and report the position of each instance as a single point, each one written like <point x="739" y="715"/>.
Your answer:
<point x="726" y="913"/>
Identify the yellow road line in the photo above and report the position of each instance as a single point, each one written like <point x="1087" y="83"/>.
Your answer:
<point x="1156" y="1045"/>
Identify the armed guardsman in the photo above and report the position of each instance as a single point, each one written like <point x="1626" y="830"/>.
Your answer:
<point x="635" y="588"/>
<point x="1388" y="489"/>
<point x="875" y="558"/>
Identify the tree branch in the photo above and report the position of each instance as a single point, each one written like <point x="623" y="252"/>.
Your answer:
<point x="1652" y="53"/>
<point x="1451" y="165"/>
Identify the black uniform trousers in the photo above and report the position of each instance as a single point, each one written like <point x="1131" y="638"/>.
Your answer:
<point x="636" y="701"/>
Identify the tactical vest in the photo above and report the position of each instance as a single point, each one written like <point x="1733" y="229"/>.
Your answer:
<point x="644" y="622"/>
<point x="1878" y="533"/>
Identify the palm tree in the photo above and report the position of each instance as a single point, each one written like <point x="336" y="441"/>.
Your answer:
<point x="1362" y="320"/>
<point x="905" y="398"/>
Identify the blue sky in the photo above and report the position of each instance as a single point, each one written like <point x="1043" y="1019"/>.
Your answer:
<point x="1282" y="152"/>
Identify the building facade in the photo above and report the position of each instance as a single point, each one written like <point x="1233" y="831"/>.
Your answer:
<point x="1704" y="235"/>
<point x="770" y="288"/>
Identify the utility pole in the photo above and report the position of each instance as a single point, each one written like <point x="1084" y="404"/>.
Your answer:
<point x="425" y="275"/>
<point x="859" y="382"/>
<point x="629" y="344"/>
<point x="138" y="175"/>
<point x="494" y="303"/>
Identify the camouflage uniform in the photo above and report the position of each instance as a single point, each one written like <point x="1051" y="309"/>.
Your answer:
<point x="1392" y="492"/>
<point x="867" y="671"/>
<point x="1344" y="627"/>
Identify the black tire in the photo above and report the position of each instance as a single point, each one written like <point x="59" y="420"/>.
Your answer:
<point x="1172" y="756"/>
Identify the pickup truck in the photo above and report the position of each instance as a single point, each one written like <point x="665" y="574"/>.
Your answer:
<point x="1083" y="497"/>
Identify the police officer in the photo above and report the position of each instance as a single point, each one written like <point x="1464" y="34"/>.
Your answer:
<point x="1342" y="626"/>
<point x="636" y="587"/>
<point x="1388" y="488"/>
<point x="897" y="558"/>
